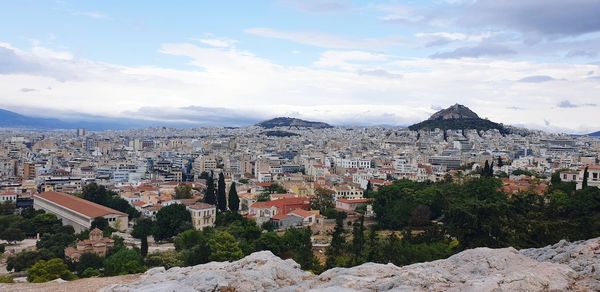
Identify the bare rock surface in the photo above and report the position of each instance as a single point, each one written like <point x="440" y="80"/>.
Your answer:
<point x="560" y="267"/>
<point x="581" y="256"/>
<point x="480" y="269"/>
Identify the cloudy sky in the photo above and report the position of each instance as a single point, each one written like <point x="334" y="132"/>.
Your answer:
<point x="534" y="63"/>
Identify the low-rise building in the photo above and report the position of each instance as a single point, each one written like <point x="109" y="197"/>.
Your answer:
<point x="203" y="215"/>
<point x="78" y="212"/>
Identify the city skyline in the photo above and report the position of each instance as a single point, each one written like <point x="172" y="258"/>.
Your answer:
<point x="341" y="62"/>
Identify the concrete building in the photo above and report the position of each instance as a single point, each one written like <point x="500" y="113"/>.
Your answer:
<point x="78" y="212"/>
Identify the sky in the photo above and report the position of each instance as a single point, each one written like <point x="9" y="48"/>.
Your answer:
<point x="529" y="63"/>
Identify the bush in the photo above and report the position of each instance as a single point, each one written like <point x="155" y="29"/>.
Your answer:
<point x="25" y="259"/>
<point x="90" y="272"/>
<point x="166" y="259"/>
<point x="44" y="271"/>
<point x="123" y="262"/>
<point x="2" y="248"/>
<point x="6" y="279"/>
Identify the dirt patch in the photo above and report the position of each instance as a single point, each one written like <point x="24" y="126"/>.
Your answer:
<point x="82" y="285"/>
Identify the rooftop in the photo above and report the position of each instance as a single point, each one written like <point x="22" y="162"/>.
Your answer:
<point x="76" y="204"/>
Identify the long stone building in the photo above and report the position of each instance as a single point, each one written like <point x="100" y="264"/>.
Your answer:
<point x="78" y="212"/>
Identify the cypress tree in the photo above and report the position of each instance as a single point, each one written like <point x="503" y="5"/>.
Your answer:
<point x="491" y="170"/>
<point x="233" y="200"/>
<point x="486" y="168"/>
<point x="358" y="240"/>
<point x="221" y="198"/>
<point x="500" y="162"/>
<point x="586" y="175"/>
<point x="209" y="194"/>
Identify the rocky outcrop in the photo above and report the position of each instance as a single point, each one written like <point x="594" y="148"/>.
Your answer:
<point x="560" y="267"/>
<point x="581" y="256"/>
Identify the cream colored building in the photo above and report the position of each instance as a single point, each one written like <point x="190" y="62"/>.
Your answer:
<point x="203" y="215"/>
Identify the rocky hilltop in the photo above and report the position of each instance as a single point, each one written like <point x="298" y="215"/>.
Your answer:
<point x="457" y="117"/>
<point x="561" y="267"/>
<point x="292" y="122"/>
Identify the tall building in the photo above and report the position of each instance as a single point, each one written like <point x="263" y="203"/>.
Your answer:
<point x="81" y="132"/>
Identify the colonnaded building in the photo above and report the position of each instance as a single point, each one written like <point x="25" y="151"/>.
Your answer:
<point x="78" y="212"/>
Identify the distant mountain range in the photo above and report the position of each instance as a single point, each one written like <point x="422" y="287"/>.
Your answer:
<point x="458" y="117"/>
<point x="9" y="119"/>
<point x="292" y="122"/>
<point x="595" y="134"/>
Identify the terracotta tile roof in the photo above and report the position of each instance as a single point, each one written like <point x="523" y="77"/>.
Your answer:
<point x="353" y="201"/>
<point x="279" y="216"/>
<point x="302" y="213"/>
<point x="280" y="203"/>
<point x="81" y="206"/>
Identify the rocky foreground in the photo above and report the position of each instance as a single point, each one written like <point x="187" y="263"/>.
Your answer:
<point x="561" y="267"/>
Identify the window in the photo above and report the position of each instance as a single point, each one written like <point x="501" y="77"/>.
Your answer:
<point x="574" y="177"/>
<point x="595" y="175"/>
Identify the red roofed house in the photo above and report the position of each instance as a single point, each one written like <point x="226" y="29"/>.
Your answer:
<point x="8" y="196"/>
<point x="78" y="212"/>
<point x="349" y="205"/>
<point x="263" y="211"/>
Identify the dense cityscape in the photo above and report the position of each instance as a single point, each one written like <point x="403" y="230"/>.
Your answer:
<point x="118" y="202"/>
<point x="299" y="145"/>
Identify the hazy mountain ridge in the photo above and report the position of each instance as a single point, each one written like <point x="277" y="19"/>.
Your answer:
<point x="292" y="122"/>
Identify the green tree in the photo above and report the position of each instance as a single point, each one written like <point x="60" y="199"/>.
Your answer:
<point x="209" y="194"/>
<point x="90" y="272"/>
<point x="100" y="195"/>
<point x="234" y="199"/>
<point x="270" y="241"/>
<point x="166" y="259"/>
<point x="373" y="246"/>
<point x="224" y="247"/>
<point x="123" y="262"/>
<point x="486" y="169"/>
<point x="322" y="200"/>
<point x="298" y="246"/>
<point x="221" y="198"/>
<point x="5" y="279"/>
<point x="183" y="191"/>
<point x="171" y="220"/>
<point x="100" y="223"/>
<point x="12" y="235"/>
<point x="143" y="228"/>
<point x="7" y="208"/>
<point x="368" y="190"/>
<point x="586" y="174"/>
<point x="358" y="240"/>
<point x="88" y="260"/>
<point x="25" y="259"/>
<point x="273" y="188"/>
<point x="57" y="242"/>
<point x="338" y="242"/>
<point x="44" y="271"/>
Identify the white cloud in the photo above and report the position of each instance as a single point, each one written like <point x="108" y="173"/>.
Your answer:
<point x="323" y="40"/>
<point x="333" y="89"/>
<point x="216" y="42"/>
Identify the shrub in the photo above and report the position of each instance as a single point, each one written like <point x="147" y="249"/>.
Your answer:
<point x="44" y="271"/>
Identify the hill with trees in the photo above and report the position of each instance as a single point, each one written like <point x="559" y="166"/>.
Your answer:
<point x="292" y="122"/>
<point x="458" y="117"/>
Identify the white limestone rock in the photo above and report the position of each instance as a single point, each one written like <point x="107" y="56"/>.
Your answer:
<point x="582" y="256"/>
<point x="562" y="267"/>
